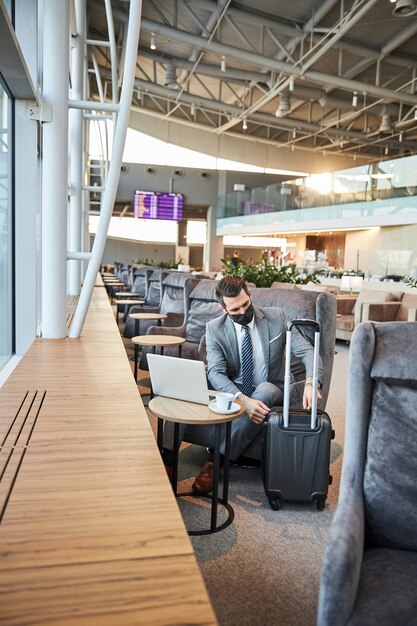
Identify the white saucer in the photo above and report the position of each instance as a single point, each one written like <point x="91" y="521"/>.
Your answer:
<point x="213" y="406"/>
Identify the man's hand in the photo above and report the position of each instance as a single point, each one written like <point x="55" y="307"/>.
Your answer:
<point x="256" y="409"/>
<point x="308" y="395"/>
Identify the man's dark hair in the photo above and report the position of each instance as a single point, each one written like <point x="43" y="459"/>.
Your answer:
<point x="230" y="286"/>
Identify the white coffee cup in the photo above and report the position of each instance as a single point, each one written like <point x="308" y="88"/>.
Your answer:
<point x="224" y="400"/>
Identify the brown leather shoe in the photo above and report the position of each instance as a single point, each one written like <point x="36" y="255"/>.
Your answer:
<point x="203" y="483"/>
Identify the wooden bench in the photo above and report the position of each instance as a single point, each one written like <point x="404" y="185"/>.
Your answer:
<point x="90" y="532"/>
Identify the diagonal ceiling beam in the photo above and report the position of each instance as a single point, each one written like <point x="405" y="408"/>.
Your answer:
<point x="263" y="118"/>
<point x="274" y="64"/>
<point x="338" y="30"/>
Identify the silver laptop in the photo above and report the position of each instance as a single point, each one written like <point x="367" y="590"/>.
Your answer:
<point x="183" y="379"/>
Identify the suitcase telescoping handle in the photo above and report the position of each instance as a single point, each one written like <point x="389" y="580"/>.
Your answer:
<point x="287" y="376"/>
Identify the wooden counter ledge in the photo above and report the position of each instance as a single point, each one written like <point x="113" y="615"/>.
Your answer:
<point x="90" y="532"/>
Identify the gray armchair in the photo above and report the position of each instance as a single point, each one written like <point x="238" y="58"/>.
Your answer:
<point x="370" y="566"/>
<point x="138" y="279"/>
<point x="350" y="309"/>
<point x="176" y="289"/>
<point x="404" y="311"/>
<point x="152" y="303"/>
<point x="201" y="306"/>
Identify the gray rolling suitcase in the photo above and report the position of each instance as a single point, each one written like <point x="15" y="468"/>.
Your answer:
<point x="296" y="442"/>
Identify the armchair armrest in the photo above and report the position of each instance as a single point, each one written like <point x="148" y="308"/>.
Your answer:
<point x="202" y="350"/>
<point x="342" y="562"/>
<point x="177" y="331"/>
<point x="174" y="320"/>
<point x="380" y="311"/>
<point x="345" y="304"/>
<point x="412" y="315"/>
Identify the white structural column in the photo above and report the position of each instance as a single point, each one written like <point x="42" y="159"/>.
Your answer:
<point x="76" y="137"/>
<point x="213" y="249"/>
<point x="109" y="194"/>
<point x="55" y="168"/>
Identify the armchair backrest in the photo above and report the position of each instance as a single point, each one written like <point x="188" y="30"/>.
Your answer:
<point x="409" y="301"/>
<point x="176" y="288"/>
<point x="140" y="279"/>
<point x="123" y="273"/>
<point x="383" y="413"/>
<point x="154" y="292"/>
<point x="329" y="288"/>
<point x="319" y="306"/>
<point x="203" y="308"/>
<point x="373" y="295"/>
<point x="277" y="285"/>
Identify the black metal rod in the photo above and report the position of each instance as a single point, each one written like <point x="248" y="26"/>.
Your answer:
<point x="160" y="434"/>
<point x="176" y="449"/>
<point x="136" y="353"/>
<point x="215" y="493"/>
<point x="226" y="466"/>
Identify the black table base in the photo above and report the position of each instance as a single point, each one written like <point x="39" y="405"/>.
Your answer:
<point x="214" y="496"/>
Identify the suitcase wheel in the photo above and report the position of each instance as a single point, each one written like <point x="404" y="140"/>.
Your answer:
<point x="330" y="479"/>
<point x="274" y="503"/>
<point x="333" y="434"/>
<point x="320" y="503"/>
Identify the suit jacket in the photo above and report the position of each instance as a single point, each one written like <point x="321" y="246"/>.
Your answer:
<point x="223" y="354"/>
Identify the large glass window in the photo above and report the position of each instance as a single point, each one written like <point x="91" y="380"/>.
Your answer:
<point x="6" y="306"/>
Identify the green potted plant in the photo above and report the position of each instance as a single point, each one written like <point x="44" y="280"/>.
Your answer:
<point x="263" y="273"/>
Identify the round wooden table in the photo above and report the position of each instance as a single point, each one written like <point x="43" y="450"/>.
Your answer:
<point x="126" y="302"/>
<point x="112" y="284"/>
<point x="155" y="341"/>
<point x="183" y="412"/>
<point x="147" y="316"/>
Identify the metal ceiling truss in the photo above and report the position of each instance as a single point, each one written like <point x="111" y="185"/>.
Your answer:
<point x="288" y="89"/>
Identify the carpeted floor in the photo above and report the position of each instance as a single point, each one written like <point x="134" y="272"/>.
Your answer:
<point x="265" y="567"/>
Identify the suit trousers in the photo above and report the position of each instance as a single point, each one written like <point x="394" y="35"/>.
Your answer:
<point x="244" y="431"/>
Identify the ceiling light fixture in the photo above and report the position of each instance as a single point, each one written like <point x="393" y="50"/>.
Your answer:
<point x="415" y="114"/>
<point x="294" y="134"/>
<point x="223" y="64"/>
<point x="400" y="137"/>
<point x="193" y="111"/>
<point x="284" y="105"/>
<point x="355" y="99"/>
<point x="291" y="83"/>
<point x="153" y="44"/>
<point x="405" y="8"/>
<point x="171" y="76"/>
<point x="245" y="124"/>
<point x="386" y="123"/>
<point x="386" y="150"/>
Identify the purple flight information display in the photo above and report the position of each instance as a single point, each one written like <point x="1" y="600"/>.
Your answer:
<point x="158" y="206"/>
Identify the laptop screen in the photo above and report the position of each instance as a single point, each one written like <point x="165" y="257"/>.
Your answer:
<point x="183" y="379"/>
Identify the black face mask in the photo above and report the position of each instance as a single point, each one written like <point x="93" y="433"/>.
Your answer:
<point x="243" y="318"/>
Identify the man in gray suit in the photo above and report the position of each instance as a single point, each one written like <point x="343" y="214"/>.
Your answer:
<point x="225" y="344"/>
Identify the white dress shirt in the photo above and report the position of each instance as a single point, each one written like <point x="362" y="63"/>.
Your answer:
<point x="260" y="370"/>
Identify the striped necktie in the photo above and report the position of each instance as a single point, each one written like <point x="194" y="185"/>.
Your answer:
<point x="247" y="363"/>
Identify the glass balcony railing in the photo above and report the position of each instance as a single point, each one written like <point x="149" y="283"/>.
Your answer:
<point x="377" y="181"/>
